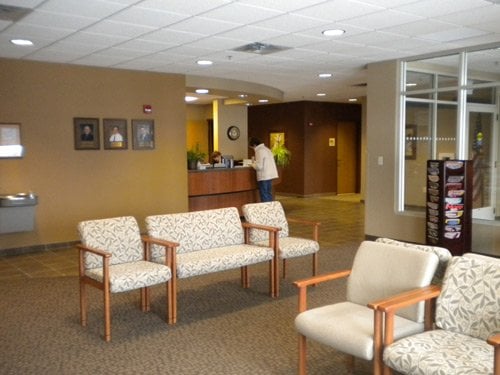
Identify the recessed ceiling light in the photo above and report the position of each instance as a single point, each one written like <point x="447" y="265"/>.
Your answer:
<point x="352" y="99"/>
<point x="189" y="99"/>
<point x="21" y="42"/>
<point x="204" y="62"/>
<point x="243" y="95"/>
<point x="263" y="100"/>
<point x="325" y="75"/>
<point x="202" y="91"/>
<point x="333" y="32"/>
<point x="411" y="84"/>
<point x="320" y="94"/>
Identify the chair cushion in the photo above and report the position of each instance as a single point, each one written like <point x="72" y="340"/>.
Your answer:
<point x="119" y="236"/>
<point x="440" y="352"/>
<point x="198" y="230"/>
<point x="443" y="254"/>
<point x="291" y="247"/>
<point x="265" y="213"/>
<point x="348" y="327"/>
<point x="133" y="275"/>
<point x="383" y="270"/>
<point x="219" y="259"/>
<point x="469" y="302"/>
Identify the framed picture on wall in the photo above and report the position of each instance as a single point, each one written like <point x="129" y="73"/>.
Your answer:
<point x="276" y="139"/>
<point x="115" y="134"/>
<point x="411" y="142"/>
<point x="143" y="134"/>
<point x="86" y="132"/>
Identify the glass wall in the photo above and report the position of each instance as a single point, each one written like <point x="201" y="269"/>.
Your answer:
<point x="449" y="100"/>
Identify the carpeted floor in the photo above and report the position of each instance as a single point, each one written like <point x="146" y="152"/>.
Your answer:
<point x="221" y="328"/>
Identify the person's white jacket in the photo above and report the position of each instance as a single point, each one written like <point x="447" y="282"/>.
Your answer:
<point x="264" y="163"/>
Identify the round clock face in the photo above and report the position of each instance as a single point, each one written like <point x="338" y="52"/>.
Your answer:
<point x="233" y="132"/>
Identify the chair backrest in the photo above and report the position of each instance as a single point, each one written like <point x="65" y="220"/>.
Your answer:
<point x="265" y="213"/>
<point x="197" y="230"/>
<point x="119" y="236"/>
<point x="382" y="270"/>
<point x="443" y="254"/>
<point x="469" y="302"/>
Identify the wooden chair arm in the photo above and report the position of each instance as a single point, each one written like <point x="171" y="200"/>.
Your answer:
<point x="314" y="224"/>
<point x="396" y="302"/>
<point x="304" y="283"/>
<point x="273" y="234"/>
<point x="92" y="250"/>
<point x="158" y="241"/>
<point x="495" y="341"/>
<point x="247" y="226"/>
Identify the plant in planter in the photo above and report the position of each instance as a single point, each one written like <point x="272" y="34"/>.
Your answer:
<point x="281" y="154"/>
<point x="194" y="155"/>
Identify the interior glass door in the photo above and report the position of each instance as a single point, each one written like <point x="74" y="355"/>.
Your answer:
<point x="482" y="147"/>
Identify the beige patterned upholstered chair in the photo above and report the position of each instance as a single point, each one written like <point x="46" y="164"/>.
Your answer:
<point x="114" y="258"/>
<point x="272" y="214"/>
<point x="379" y="271"/>
<point x="466" y="340"/>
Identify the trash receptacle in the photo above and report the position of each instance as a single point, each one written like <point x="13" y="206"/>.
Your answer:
<point x="17" y="212"/>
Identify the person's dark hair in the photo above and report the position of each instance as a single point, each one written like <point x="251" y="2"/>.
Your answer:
<point x="254" y="142"/>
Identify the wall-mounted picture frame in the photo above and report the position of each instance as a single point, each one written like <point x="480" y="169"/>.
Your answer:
<point x="276" y="139"/>
<point x="115" y="134"/>
<point x="411" y="142"/>
<point x="86" y="131"/>
<point x="10" y="141"/>
<point x="143" y="134"/>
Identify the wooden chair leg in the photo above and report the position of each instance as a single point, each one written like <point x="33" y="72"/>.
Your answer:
<point x="145" y="306"/>
<point x="302" y="355"/>
<point x="349" y="362"/>
<point x="276" y="265"/>
<point x="107" y="314"/>
<point x="245" y="278"/>
<point x="83" y="304"/>
<point x="284" y="268"/>
<point x="377" y="343"/>
<point x="272" y="279"/>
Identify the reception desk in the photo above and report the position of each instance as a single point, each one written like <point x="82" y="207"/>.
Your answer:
<point x="222" y="187"/>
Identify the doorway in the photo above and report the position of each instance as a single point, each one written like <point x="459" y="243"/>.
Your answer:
<point x="482" y="149"/>
<point x="348" y="153"/>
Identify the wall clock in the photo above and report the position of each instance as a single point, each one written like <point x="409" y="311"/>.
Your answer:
<point x="233" y="133"/>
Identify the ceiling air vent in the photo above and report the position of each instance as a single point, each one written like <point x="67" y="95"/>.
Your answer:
<point x="260" y="48"/>
<point x="12" y="13"/>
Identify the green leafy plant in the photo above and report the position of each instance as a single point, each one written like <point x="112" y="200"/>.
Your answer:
<point x="281" y="154"/>
<point x="195" y="154"/>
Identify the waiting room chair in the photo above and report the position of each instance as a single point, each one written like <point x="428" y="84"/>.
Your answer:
<point x="379" y="271"/>
<point x="466" y="338"/>
<point x="272" y="214"/>
<point x="113" y="257"/>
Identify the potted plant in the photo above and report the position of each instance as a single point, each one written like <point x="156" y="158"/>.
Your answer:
<point x="281" y="154"/>
<point x="195" y="155"/>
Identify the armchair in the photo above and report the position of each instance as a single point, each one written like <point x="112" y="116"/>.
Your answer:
<point x="379" y="270"/>
<point x="113" y="257"/>
<point x="467" y="321"/>
<point x="272" y="215"/>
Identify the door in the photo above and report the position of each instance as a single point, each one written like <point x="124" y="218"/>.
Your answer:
<point x="347" y="157"/>
<point x="482" y="148"/>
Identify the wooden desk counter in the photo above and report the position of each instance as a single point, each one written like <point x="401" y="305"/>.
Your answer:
<point x="221" y="187"/>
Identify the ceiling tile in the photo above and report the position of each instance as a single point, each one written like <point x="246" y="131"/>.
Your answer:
<point x="147" y="17"/>
<point x="87" y="8"/>
<point x="241" y="13"/>
<point x="339" y="10"/>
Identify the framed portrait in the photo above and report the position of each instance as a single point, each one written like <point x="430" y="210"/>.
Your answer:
<point x="86" y="132"/>
<point x="411" y="142"/>
<point x="276" y="139"/>
<point x="143" y="134"/>
<point x="10" y="141"/>
<point x="115" y="134"/>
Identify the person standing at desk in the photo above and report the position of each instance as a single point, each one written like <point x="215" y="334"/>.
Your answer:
<point x="265" y="166"/>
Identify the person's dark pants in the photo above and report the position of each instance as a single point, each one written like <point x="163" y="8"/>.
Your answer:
<point x="265" y="190"/>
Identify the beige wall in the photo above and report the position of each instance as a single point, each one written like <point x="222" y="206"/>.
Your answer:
<point x="75" y="185"/>
<point x="381" y="218"/>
